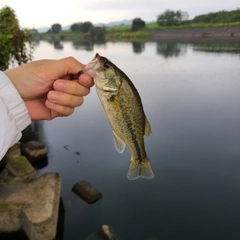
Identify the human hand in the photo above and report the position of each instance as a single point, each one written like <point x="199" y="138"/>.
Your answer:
<point x="51" y="88"/>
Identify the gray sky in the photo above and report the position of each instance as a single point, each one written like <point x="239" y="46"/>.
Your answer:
<point x="41" y="13"/>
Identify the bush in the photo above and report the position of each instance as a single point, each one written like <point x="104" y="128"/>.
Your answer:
<point x="137" y="24"/>
<point x="13" y="40"/>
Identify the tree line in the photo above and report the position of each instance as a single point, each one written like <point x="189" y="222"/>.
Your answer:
<point x="167" y="18"/>
<point x="175" y="18"/>
<point x="85" y="27"/>
<point x="219" y="17"/>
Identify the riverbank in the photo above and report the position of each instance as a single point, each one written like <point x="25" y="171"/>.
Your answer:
<point x="232" y="33"/>
<point x="124" y="33"/>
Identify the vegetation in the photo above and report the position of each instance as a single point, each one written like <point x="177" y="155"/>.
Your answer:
<point x="139" y="30"/>
<point x="138" y="24"/>
<point x="219" y="17"/>
<point x="155" y="27"/>
<point x="171" y="18"/>
<point x="180" y="19"/>
<point x="56" y="28"/>
<point x="13" y="40"/>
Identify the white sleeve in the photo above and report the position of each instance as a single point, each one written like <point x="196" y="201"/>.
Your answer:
<point x="14" y="116"/>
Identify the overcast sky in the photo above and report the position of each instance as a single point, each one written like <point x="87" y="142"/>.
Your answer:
<point x="41" y="13"/>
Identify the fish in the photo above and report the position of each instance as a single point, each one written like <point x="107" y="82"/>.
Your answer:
<point x="123" y="107"/>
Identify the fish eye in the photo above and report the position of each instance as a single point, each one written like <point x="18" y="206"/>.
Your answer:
<point x="106" y="65"/>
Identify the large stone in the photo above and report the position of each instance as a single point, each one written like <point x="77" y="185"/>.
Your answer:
<point x="104" y="233"/>
<point x="18" y="169"/>
<point x="32" y="207"/>
<point x="15" y="150"/>
<point x="86" y="191"/>
<point x="34" y="151"/>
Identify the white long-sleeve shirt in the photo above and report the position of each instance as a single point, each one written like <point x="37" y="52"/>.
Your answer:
<point x="14" y="116"/>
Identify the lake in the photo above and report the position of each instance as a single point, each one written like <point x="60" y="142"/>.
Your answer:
<point x="191" y="96"/>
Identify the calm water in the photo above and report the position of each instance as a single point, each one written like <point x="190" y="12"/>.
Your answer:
<point x="191" y="96"/>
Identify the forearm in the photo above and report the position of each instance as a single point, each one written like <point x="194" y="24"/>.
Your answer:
<point x="14" y="116"/>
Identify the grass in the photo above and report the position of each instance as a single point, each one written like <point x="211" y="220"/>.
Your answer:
<point x="155" y="26"/>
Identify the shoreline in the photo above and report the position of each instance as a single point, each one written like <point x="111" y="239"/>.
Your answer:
<point x="211" y="33"/>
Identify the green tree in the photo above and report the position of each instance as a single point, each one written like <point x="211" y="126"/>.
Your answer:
<point x="85" y="27"/>
<point x="13" y="40"/>
<point x="56" y="28"/>
<point x="75" y="27"/>
<point x="137" y="24"/>
<point x="170" y="17"/>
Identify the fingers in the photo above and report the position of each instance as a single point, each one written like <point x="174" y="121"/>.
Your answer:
<point x="59" y="110"/>
<point x="64" y="99"/>
<point x="86" y="80"/>
<point x="72" y="87"/>
<point x="67" y="95"/>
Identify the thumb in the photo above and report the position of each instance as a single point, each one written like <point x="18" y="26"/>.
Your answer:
<point x="64" y="67"/>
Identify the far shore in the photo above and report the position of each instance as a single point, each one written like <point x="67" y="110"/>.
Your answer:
<point x="218" y="33"/>
<point x="231" y="34"/>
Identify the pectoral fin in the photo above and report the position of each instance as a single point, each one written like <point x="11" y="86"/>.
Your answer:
<point x="148" y="130"/>
<point x="119" y="144"/>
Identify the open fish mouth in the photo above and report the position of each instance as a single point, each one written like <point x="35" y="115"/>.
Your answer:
<point x="92" y="67"/>
<point x="95" y="63"/>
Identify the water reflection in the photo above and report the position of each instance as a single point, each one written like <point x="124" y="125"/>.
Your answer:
<point x="35" y="131"/>
<point x="166" y="49"/>
<point x="138" y="47"/>
<point x="57" y="45"/>
<point x="86" y="45"/>
<point x="171" y="49"/>
<point x="217" y="47"/>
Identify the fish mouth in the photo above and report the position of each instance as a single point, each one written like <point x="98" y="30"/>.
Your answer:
<point x="92" y="67"/>
<point x="94" y="64"/>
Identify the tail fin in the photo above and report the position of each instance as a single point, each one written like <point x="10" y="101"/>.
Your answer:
<point x="142" y="169"/>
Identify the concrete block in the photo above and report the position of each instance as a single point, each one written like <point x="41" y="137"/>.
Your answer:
<point x="15" y="150"/>
<point x="34" y="151"/>
<point x="32" y="207"/>
<point x="18" y="169"/>
<point x="86" y="191"/>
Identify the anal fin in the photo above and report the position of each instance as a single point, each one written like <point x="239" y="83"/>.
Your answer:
<point x="119" y="144"/>
<point x="148" y="130"/>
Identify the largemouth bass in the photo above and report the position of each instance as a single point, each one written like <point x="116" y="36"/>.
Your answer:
<point x="123" y="107"/>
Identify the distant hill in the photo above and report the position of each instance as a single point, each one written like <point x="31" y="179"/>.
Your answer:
<point x="116" y="23"/>
<point x="45" y="29"/>
<point x="110" y="24"/>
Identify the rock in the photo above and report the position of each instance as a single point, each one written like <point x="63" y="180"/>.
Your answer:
<point x="104" y="233"/>
<point x="32" y="207"/>
<point x="34" y="151"/>
<point x="15" y="150"/>
<point x="86" y="191"/>
<point x="17" y="169"/>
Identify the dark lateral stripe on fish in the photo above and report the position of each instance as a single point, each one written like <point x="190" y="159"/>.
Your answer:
<point x="133" y="135"/>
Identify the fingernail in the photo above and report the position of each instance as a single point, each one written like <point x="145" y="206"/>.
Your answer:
<point x="60" y="85"/>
